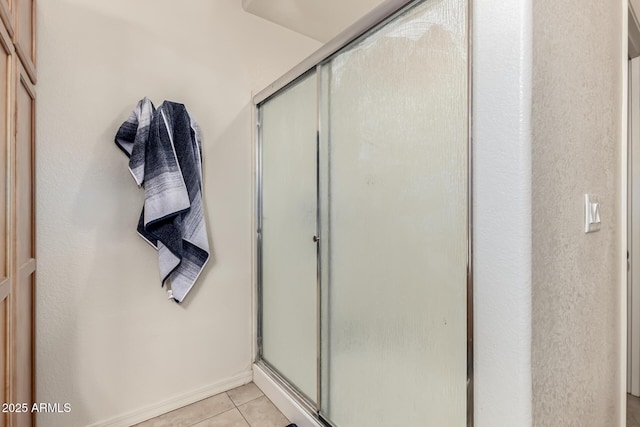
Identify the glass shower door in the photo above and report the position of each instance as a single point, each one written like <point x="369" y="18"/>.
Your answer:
<point x="394" y="211"/>
<point x="288" y="226"/>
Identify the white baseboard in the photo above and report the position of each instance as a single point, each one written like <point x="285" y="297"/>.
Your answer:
<point x="285" y="403"/>
<point x="156" y="409"/>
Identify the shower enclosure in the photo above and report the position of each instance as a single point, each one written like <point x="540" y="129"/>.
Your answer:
<point x="363" y="222"/>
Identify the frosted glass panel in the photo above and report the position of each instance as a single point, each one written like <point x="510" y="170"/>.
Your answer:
<point x="289" y="206"/>
<point x="394" y="223"/>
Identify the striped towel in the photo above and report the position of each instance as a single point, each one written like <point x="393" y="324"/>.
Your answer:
<point x="165" y="157"/>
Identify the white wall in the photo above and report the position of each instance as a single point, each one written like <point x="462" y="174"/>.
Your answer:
<point x="108" y="340"/>
<point x="502" y="212"/>
<point x="321" y="19"/>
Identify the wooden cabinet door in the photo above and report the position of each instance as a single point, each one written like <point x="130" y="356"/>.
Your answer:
<point x="22" y="297"/>
<point x="24" y="36"/>
<point x="6" y="67"/>
<point x="6" y="15"/>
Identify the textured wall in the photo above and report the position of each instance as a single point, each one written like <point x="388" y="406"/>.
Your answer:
<point x="108" y="340"/>
<point x="576" y="132"/>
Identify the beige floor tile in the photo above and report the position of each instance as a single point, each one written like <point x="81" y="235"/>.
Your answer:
<point x="633" y="411"/>
<point x="243" y="394"/>
<point x="633" y="402"/>
<point x="193" y="413"/>
<point x="261" y="412"/>
<point x="231" y="418"/>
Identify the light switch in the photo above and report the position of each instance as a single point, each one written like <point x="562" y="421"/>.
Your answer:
<point x="591" y="213"/>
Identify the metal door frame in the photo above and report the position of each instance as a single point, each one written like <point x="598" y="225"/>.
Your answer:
<point x="377" y="17"/>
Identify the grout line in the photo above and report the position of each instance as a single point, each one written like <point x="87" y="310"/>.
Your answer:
<point x="232" y="401"/>
<point x="243" y="417"/>
<point x="268" y="400"/>
<point x="237" y="407"/>
<point x="213" y="416"/>
<point x="249" y="401"/>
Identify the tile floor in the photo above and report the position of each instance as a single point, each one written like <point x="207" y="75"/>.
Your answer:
<point x="247" y="406"/>
<point x="633" y="411"/>
<point x="244" y="406"/>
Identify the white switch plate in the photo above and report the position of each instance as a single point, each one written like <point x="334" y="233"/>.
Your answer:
<point x="591" y="213"/>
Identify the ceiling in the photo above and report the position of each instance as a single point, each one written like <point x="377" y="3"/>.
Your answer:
<point x="318" y="19"/>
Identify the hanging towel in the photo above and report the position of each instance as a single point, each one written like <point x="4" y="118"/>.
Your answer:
<point x="165" y="157"/>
